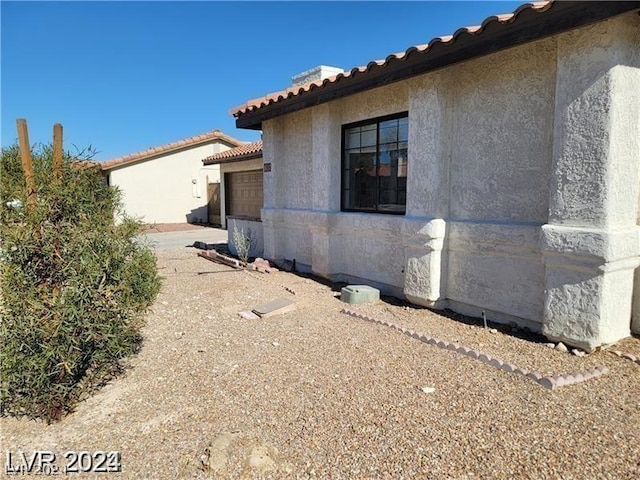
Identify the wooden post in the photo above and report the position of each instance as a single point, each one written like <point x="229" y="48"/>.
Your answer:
<point x="27" y="166"/>
<point x="57" y="150"/>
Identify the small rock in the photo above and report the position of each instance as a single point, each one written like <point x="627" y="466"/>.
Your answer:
<point x="561" y="347"/>
<point x="550" y="345"/>
<point x="493" y="330"/>
<point x="428" y="389"/>
<point x="578" y="353"/>
<point x="275" y="344"/>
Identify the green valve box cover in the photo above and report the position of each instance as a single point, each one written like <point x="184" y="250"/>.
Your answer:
<point x="359" y="294"/>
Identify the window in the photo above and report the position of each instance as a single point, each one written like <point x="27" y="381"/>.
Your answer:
<point x="374" y="165"/>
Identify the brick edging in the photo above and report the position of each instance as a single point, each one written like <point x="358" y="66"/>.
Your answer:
<point x="550" y="382"/>
<point x="628" y="356"/>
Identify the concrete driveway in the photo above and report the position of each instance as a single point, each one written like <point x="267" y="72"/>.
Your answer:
<point x="161" y="241"/>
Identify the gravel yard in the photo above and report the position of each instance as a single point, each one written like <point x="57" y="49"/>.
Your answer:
<point x="315" y="393"/>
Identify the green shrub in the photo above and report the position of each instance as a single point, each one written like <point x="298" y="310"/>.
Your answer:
<point x="74" y="286"/>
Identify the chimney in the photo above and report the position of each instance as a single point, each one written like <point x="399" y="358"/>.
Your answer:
<point x="316" y="74"/>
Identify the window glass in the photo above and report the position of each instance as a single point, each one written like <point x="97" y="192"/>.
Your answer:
<point x="374" y="175"/>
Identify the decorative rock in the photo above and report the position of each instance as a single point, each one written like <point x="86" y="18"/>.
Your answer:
<point x="494" y="362"/>
<point x="550" y="345"/>
<point x="578" y="353"/>
<point x="547" y="382"/>
<point x="484" y="358"/>
<point x="493" y="330"/>
<point x="561" y="347"/>
<point x="507" y="367"/>
<point x="428" y="389"/>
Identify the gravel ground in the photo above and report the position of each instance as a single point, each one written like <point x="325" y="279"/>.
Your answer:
<point x="317" y="394"/>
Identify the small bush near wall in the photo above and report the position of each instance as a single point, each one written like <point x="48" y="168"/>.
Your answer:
<point x="74" y="286"/>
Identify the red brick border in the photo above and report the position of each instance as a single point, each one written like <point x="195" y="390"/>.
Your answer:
<point x="550" y="382"/>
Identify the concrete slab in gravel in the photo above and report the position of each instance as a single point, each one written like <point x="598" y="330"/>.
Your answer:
<point x="354" y="294"/>
<point x="274" y="307"/>
<point x="248" y="315"/>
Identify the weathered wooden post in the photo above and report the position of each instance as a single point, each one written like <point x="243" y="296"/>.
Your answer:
<point x="27" y="165"/>
<point x="57" y="150"/>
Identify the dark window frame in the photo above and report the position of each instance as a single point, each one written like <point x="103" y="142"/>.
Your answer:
<point x="370" y="121"/>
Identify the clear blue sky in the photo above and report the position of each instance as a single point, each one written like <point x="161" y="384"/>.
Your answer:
<point x="125" y="76"/>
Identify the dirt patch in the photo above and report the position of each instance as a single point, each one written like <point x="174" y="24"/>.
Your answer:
<point x="314" y="393"/>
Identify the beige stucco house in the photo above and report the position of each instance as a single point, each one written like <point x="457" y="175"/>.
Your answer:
<point x="496" y="170"/>
<point x="169" y="183"/>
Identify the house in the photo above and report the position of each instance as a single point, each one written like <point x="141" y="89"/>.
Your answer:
<point x="496" y="169"/>
<point x="168" y="183"/>
<point x="241" y="191"/>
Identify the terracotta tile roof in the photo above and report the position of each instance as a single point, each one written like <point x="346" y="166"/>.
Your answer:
<point x="85" y="164"/>
<point x="395" y="57"/>
<point x="170" y="147"/>
<point x="236" y="154"/>
<point x="527" y="23"/>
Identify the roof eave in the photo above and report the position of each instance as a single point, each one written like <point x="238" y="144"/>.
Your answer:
<point x="528" y="26"/>
<point x="240" y="158"/>
<point x="221" y="138"/>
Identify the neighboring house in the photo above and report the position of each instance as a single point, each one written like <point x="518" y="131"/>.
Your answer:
<point x="496" y="170"/>
<point x="241" y="192"/>
<point x="169" y="184"/>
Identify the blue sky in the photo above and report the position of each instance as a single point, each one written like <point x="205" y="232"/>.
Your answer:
<point x="125" y="76"/>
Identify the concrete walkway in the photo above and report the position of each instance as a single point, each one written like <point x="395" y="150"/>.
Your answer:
<point x="161" y="241"/>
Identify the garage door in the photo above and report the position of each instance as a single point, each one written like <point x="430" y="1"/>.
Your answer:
<point x="244" y="193"/>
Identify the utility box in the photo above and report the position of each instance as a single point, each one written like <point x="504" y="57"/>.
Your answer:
<point x="359" y="294"/>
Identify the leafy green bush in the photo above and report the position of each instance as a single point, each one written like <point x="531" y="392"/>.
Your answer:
<point x="74" y="286"/>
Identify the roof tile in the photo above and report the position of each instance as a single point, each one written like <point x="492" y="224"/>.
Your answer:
<point x="169" y="147"/>
<point x="290" y="92"/>
<point x="252" y="150"/>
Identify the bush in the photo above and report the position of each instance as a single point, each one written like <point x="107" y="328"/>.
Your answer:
<point x="75" y="286"/>
<point x="244" y="243"/>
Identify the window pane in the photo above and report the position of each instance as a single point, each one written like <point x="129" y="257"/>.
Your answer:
<point x="403" y="129"/>
<point x="389" y="133"/>
<point x="402" y="162"/>
<point x="365" y="198"/>
<point x="386" y="147"/>
<point x="368" y="138"/>
<point x="353" y="139"/>
<point x="374" y="175"/>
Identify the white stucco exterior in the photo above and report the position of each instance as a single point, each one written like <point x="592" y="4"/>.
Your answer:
<point x="169" y="187"/>
<point x="522" y="194"/>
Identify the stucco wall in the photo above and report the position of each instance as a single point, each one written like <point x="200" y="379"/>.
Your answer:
<point x="162" y="189"/>
<point x="486" y="190"/>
